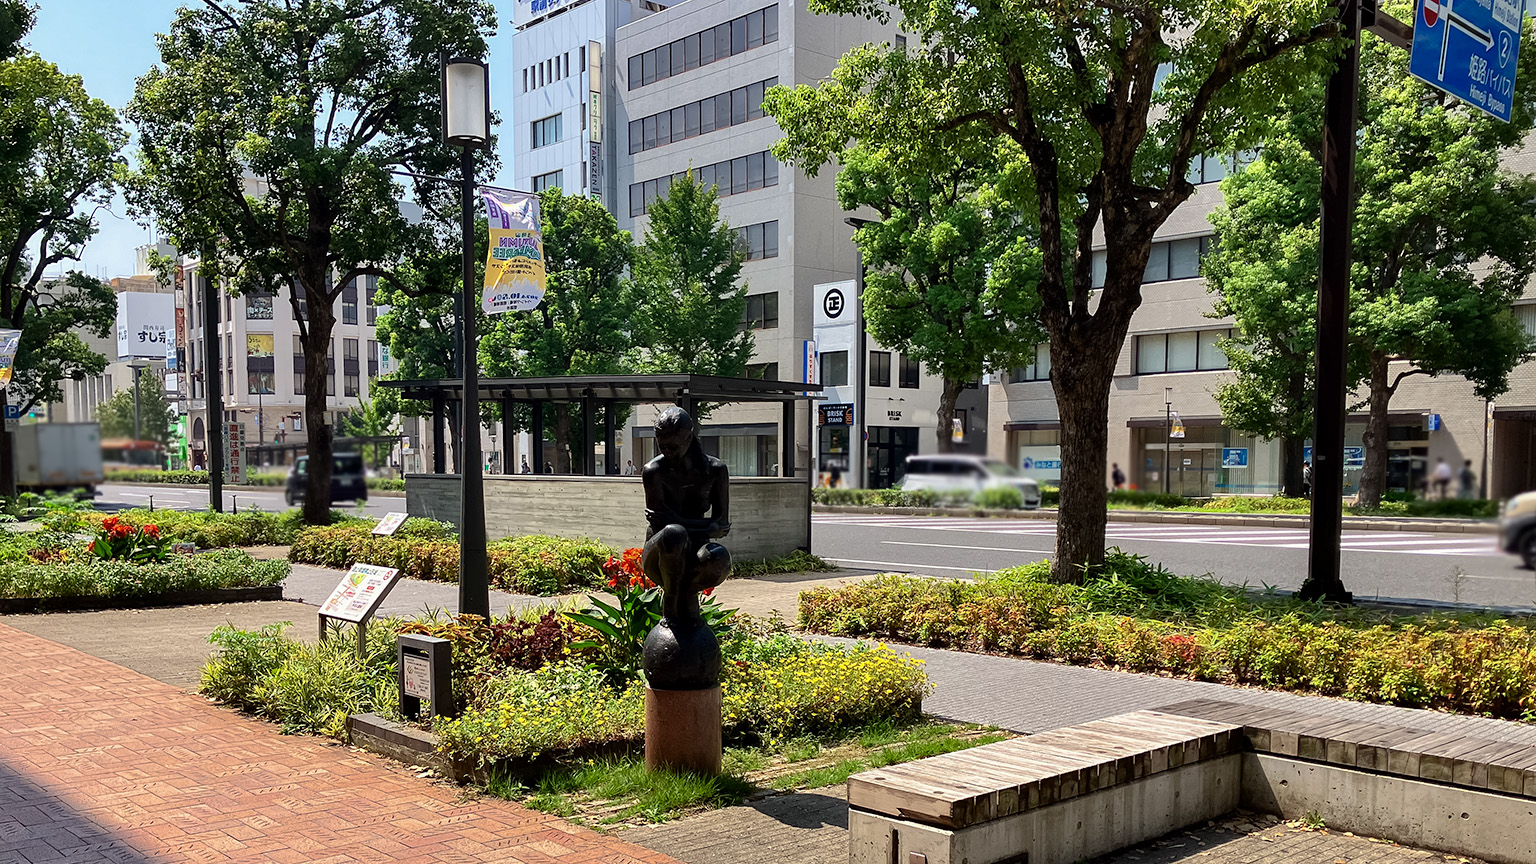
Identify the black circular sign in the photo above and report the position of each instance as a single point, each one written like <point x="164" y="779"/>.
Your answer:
<point x="832" y="304"/>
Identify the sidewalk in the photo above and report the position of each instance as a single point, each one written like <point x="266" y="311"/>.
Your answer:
<point x="100" y="764"/>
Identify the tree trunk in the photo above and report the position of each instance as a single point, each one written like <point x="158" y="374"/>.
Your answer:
<point x="317" y="495"/>
<point x="1292" y="461"/>
<point x="947" y="398"/>
<point x="1373" y="480"/>
<point x="1082" y="368"/>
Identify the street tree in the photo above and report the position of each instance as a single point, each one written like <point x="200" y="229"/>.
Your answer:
<point x="688" y="276"/>
<point x="59" y="153"/>
<point x="156" y="419"/>
<point x="1444" y="243"/>
<point x="952" y="261"/>
<point x="291" y="118"/>
<point x="584" y="326"/>
<point x="1109" y="102"/>
<point x="374" y="417"/>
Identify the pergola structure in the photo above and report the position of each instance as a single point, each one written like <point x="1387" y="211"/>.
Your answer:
<point x="592" y="391"/>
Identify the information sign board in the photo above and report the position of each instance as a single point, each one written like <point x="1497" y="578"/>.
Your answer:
<point x="1468" y="48"/>
<point x="389" y="524"/>
<point x="1234" y="457"/>
<point x="359" y="593"/>
<point x="417" y="679"/>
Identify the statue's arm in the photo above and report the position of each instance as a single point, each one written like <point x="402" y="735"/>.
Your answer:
<point x="720" y="501"/>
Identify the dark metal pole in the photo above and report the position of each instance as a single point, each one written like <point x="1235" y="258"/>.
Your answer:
<point x="1339" y="125"/>
<point x="861" y="418"/>
<point x="213" y="380"/>
<point x="1482" y="486"/>
<point x="137" y="413"/>
<point x="474" y="576"/>
<point x="1167" y="445"/>
<point x="589" y="435"/>
<point x="610" y="440"/>
<point x="537" y="436"/>
<point x="439" y="435"/>
<point x="787" y="458"/>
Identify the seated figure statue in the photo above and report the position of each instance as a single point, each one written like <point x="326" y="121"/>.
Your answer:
<point x="686" y="508"/>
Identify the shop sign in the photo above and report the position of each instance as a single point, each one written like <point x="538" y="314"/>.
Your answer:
<point x="894" y="416"/>
<point x="836" y="415"/>
<point x="1234" y="457"/>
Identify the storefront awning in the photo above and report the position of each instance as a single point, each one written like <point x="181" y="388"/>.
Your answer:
<point x="1031" y="425"/>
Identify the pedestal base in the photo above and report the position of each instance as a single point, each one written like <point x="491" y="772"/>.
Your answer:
<point x="682" y="730"/>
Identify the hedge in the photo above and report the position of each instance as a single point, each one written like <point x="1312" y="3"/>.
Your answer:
<point x="424" y="549"/>
<point x="96" y="578"/>
<point x="1141" y="618"/>
<point x="210" y="530"/>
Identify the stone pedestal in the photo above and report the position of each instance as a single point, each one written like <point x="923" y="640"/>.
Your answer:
<point x="682" y="730"/>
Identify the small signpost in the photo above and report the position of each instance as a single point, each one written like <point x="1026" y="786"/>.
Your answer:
<point x="424" y="672"/>
<point x="357" y="597"/>
<point x="387" y="526"/>
<point x="1468" y="48"/>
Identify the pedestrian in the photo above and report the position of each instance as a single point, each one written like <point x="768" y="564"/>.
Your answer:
<point x="837" y="476"/>
<point x="629" y="468"/>
<point x="1306" y="479"/>
<point x="1117" y="476"/>
<point x="549" y="467"/>
<point x="1466" y="480"/>
<point x="524" y="468"/>
<point x="1442" y="478"/>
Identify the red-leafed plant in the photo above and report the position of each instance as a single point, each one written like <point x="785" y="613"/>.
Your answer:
<point x="116" y="540"/>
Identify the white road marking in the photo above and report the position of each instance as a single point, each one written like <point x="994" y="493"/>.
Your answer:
<point x="956" y="546"/>
<point x="905" y="568"/>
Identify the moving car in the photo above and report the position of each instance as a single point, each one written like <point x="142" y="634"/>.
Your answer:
<point x="348" y="480"/>
<point x="1517" y="527"/>
<point x="955" y="472"/>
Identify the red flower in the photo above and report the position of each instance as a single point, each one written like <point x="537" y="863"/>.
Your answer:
<point x="707" y="592"/>
<point x="110" y="522"/>
<point x="119" y="531"/>
<point x="151" y="531"/>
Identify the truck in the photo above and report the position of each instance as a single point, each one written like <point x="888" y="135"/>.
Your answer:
<point x="58" y="456"/>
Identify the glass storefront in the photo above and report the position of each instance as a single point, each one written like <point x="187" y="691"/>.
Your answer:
<point x="1209" y="461"/>
<point x="832" y="462"/>
<point x="889" y="447"/>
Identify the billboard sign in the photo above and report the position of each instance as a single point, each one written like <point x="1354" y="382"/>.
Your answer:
<point x="145" y="324"/>
<point x="525" y="11"/>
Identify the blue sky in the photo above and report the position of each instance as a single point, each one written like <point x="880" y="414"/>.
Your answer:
<point x="109" y="43"/>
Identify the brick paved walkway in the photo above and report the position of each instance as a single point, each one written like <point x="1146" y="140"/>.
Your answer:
<point x="1221" y="844"/>
<point x="101" y="764"/>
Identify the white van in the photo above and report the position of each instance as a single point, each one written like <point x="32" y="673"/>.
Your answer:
<point x="954" y="472"/>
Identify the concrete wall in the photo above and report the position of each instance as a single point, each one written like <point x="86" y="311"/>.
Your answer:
<point x="770" y="516"/>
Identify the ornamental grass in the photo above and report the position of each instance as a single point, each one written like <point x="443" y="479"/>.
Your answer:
<point x="1138" y="617"/>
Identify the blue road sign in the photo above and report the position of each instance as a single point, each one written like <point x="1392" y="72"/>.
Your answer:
<point x="13" y="412"/>
<point x="1468" y="49"/>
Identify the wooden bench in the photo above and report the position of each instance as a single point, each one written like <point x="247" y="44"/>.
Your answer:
<point x="1088" y="790"/>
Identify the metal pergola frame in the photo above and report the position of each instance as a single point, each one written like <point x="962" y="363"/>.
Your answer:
<point x="590" y="391"/>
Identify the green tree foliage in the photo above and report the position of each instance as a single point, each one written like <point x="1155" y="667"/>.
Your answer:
<point x="16" y="18"/>
<point x="373" y="418"/>
<point x="271" y="130"/>
<point x="1444" y="242"/>
<point x="156" y="419"/>
<point x="585" y="324"/>
<point x="1109" y="102"/>
<point x="688" y="274"/>
<point x="952" y="261"/>
<point x="59" y="152"/>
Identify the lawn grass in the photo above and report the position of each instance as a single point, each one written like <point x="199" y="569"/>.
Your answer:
<point x="613" y="791"/>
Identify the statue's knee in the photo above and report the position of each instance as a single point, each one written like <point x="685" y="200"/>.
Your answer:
<point x="714" y="565"/>
<point x="669" y="541"/>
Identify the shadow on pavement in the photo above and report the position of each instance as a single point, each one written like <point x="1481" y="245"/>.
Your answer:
<point x="37" y="824"/>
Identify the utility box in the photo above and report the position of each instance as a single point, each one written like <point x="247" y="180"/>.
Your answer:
<point x="58" y="456"/>
<point x="424" y="673"/>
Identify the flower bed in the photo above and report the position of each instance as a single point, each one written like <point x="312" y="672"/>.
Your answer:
<point x="1139" y="617"/>
<point x="210" y="530"/>
<point x="76" y="574"/>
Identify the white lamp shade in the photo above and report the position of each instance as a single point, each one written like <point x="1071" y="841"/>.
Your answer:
<point x="466" y="103"/>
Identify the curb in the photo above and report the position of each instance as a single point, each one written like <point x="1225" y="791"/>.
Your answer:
<point x="1245" y="520"/>
<point x="25" y="605"/>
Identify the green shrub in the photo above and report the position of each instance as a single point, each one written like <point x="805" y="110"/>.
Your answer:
<point x="1138" y="616"/>
<point x="100" y="578"/>
<point x="875" y="497"/>
<point x="186" y="477"/>
<point x="1144" y="500"/>
<point x="387" y="484"/>
<point x="1000" y="498"/>
<point x="798" y="561"/>
<point x="211" y="530"/>
<point x="423" y="549"/>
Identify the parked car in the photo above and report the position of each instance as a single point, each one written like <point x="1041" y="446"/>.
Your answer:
<point x="1517" y="527"/>
<point x="348" y="480"/>
<point x="960" y="473"/>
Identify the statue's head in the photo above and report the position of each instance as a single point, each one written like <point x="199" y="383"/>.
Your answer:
<point x="675" y="432"/>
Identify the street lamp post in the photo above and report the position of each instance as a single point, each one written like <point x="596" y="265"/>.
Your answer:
<point x="1167" y="437"/>
<point x="467" y="125"/>
<point x="860" y="415"/>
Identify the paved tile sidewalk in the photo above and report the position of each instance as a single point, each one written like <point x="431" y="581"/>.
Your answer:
<point x="101" y="764"/>
<point x="1276" y="845"/>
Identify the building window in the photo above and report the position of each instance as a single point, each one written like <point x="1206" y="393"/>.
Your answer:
<point x="834" y="369"/>
<point x="1212" y="167"/>
<point x="260" y="368"/>
<point x="762" y="312"/>
<point x="901" y="42"/>
<point x="759" y="241"/>
<point x="349" y="303"/>
<point x="349" y="367"/>
<point x="549" y="181"/>
<point x="731" y="177"/>
<point x="741" y="105"/>
<point x="373" y="359"/>
<point x="910" y="372"/>
<point x="546" y="131"/>
<point x="373" y="311"/>
<point x="258" y="307"/>
<point x="763" y="371"/>
<point x="705" y="47"/>
<point x="1040" y="370"/>
<point x="330" y="368"/>
<point x="298" y="366"/>
<point x="879" y="368"/>
<point x="1167" y="260"/>
<point x="1188" y="351"/>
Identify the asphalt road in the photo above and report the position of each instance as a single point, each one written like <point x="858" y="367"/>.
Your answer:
<point x="1466" y="568"/>
<point x="113" y="496"/>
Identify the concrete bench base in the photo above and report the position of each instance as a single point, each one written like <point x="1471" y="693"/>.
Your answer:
<point x="1072" y="830"/>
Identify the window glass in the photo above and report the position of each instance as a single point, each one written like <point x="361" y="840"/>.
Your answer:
<point x="706" y="115"/>
<point x="834" y="369"/>
<point x="678" y="64"/>
<point x="1184" y="258"/>
<point x="1151" y="354"/>
<point x="738" y="35"/>
<point x="707" y="176"/>
<point x="636" y="198"/>
<point x="755" y="171"/>
<point x="1212" y="357"/>
<point x="1157" y="264"/>
<point x="1100" y="265"/>
<point x="1042" y="363"/>
<point x="770" y="170"/>
<point x="722" y="111"/>
<point x="755" y="101"/>
<point x="1215" y="168"/>
<point x="771" y="24"/>
<point x="648" y="67"/>
<point x="691" y="119"/>
<point x="649" y="124"/>
<point x="738" y="175"/>
<point x="755" y="29"/>
<point x="755" y="241"/>
<point x="771" y="239"/>
<point x="636" y="136"/>
<point x="738" y="106"/>
<point x="677" y="124"/>
<point x="771" y="310"/>
<point x="879" y="368"/>
<point x="663" y="62"/>
<point x="663" y="127"/>
<point x="911" y="370"/>
<point x="1183" y="351"/>
<point x="691" y="52"/>
<point x="722" y="40"/>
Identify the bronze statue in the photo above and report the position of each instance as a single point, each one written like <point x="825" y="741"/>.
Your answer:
<point x="682" y="485"/>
